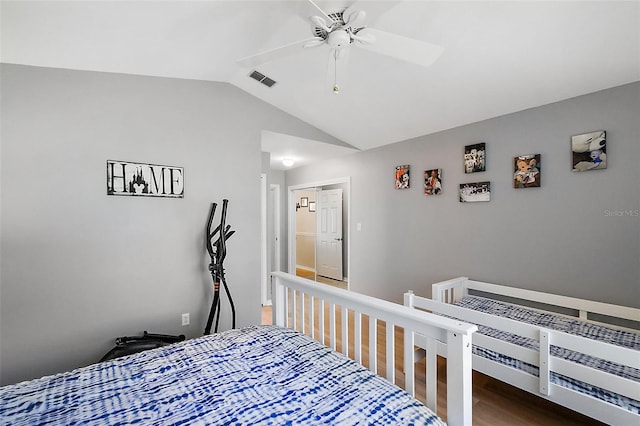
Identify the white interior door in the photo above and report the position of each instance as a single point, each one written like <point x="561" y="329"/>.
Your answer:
<point x="329" y="236"/>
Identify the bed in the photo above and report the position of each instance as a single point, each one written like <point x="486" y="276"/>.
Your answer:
<point x="257" y="375"/>
<point x="581" y="354"/>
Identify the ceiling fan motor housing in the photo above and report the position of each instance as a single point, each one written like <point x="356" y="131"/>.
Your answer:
<point x="338" y="39"/>
<point x="340" y="34"/>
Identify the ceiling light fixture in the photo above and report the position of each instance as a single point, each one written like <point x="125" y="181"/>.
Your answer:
<point x="287" y="162"/>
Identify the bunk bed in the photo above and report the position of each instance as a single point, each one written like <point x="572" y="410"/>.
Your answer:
<point x="581" y="354"/>
<point x="275" y="374"/>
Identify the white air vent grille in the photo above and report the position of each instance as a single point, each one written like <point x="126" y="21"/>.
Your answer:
<point x="262" y="78"/>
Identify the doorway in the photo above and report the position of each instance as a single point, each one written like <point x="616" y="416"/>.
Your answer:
<point x="330" y="250"/>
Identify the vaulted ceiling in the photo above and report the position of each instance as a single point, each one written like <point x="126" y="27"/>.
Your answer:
<point x="499" y="56"/>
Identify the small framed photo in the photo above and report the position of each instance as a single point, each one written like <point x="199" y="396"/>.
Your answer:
<point x="589" y="151"/>
<point x="402" y="176"/>
<point x="304" y="201"/>
<point x="312" y="206"/>
<point x="433" y="182"/>
<point x="526" y="171"/>
<point x="475" y="192"/>
<point x="474" y="158"/>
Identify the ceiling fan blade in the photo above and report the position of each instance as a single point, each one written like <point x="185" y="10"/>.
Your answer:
<point x="278" y="52"/>
<point x="308" y="8"/>
<point x="316" y="41"/>
<point x="364" y="37"/>
<point x="320" y="23"/>
<point x="374" y="9"/>
<point x="400" y="47"/>
<point x="354" y="18"/>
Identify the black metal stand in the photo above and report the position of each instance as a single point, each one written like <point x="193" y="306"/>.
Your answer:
<point x="128" y="345"/>
<point x="218" y="251"/>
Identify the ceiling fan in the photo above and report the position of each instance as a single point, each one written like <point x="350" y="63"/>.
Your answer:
<point x="340" y="30"/>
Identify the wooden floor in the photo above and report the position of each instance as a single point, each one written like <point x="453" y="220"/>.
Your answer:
<point x="494" y="403"/>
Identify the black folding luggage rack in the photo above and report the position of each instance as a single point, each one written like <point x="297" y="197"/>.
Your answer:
<point x="128" y="345"/>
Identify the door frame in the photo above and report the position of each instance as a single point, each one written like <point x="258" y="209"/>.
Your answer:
<point x="291" y="219"/>
<point x="276" y="219"/>
<point x="263" y="240"/>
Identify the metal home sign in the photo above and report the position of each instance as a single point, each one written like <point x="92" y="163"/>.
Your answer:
<point x="145" y="180"/>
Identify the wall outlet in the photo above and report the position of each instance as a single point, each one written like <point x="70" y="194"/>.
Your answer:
<point x="185" y="319"/>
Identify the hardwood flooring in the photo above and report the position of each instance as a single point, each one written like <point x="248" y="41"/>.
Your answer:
<point x="312" y="276"/>
<point x="494" y="403"/>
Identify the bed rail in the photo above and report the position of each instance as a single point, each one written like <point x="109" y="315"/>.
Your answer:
<point x="542" y="358"/>
<point x="455" y="289"/>
<point x="295" y="301"/>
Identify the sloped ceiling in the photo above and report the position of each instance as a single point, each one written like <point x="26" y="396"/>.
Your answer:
<point x="500" y="56"/>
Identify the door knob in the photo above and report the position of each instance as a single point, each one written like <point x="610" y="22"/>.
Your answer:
<point x="338" y="239"/>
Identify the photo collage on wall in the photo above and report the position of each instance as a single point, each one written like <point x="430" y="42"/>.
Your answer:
<point x="589" y="152"/>
<point x="474" y="162"/>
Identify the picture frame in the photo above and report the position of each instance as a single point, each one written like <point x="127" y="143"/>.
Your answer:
<point x="312" y="206"/>
<point x="402" y="176"/>
<point x="475" y="158"/>
<point x="127" y="178"/>
<point x="304" y="202"/>
<point x="526" y="172"/>
<point x="433" y="182"/>
<point x="475" y="192"/>
<point x="589" y="151"/>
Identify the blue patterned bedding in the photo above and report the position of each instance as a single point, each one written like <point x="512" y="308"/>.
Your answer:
<point x="567" y="325"/>
<point x="260" y="375"/>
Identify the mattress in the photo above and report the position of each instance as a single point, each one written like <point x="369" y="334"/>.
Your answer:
<point x="260" y="375"/>
<point x="564" y="324"/>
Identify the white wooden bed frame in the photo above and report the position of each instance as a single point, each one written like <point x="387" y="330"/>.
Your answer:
<point x="288" y="311"/>
<point x="448" y="292"/>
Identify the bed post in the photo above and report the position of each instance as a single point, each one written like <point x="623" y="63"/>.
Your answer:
<point x="545" y="361"/>
<point x="459" y="378"/>
<point x="409" y="356"/>
<point x="279" y="311"/>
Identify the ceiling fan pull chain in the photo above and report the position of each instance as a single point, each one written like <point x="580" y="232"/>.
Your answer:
<point x="336" y="89"/>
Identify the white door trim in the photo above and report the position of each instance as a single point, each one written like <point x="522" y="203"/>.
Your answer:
<point x="277" y="234"/>
<point x="291" y="218"/>
<point x="263" y="239"/>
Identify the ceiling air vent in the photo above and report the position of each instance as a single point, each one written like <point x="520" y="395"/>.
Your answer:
<point x="262" y="78"/>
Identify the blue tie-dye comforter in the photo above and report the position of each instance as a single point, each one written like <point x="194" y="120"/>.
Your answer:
<point x="261" y="375"/>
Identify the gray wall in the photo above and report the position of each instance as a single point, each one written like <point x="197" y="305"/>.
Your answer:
<point x="80" y="268"/>
<point x="577" y="235"/>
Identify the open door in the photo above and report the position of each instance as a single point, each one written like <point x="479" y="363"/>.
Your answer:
<point x="329" y="235"/>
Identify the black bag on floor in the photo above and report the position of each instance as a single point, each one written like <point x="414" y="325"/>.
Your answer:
<point x="131" y="345"/>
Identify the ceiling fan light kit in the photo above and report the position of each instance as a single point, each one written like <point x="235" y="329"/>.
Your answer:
<point x="342" y="29"/>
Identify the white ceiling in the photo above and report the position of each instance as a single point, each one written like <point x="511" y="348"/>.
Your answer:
<point x="500" y="56"/>
<point x="300" y="150"/>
